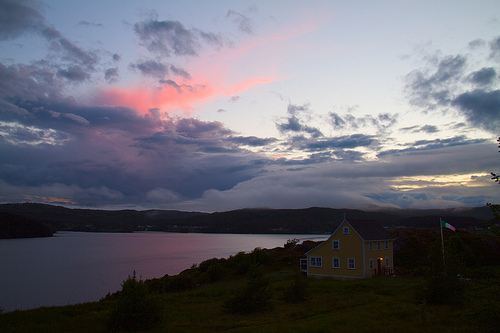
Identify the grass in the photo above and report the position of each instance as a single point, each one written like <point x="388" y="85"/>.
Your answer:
<point x="370" y="305"/>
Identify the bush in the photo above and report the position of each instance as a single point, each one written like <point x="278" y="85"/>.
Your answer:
<point x="255" y="297"/>
<point x="296" y="292"/>
<point x="135" y="309"/>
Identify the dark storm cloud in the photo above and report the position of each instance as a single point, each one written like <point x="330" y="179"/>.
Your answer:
<point x="172" y="38"/>
<point x="74" y="73"/>
<point x="424" y="145"/>
<point x="481" y="108"/>
<point x="111" y="74"/>
<point x="180" y="72"/>
<point x="19" y="17"/>
<point x="87" y="23"/>
<point x="252" y="141"/>
<point x="495" y="48"/>
<point x="342" y="142"/>
<point x="440" y="85"/>
<point x="244" y="23"/>
<point x="294" y="124"/>
<point x="151" y="68"/>
<point x="431" y="87"/>
<point x="348" y="121"/>
<point x="483" y="77"/>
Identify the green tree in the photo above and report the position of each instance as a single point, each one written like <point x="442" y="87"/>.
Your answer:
<point x="135" y="309"/>
<point x="496" y="177"/>
<point x="442" y="284"/>
<point x="255" y="297"/>
<point x="297" y="291"/>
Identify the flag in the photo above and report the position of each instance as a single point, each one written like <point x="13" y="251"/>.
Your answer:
<point x="447" y="225"/>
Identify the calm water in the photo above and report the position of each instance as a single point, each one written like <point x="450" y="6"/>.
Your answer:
<point x="76" y="267"/>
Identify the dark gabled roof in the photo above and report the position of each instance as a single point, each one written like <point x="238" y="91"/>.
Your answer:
<point x="369" y="230"/>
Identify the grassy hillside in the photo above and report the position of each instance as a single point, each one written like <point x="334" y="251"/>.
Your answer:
<point x="197" y="299"/>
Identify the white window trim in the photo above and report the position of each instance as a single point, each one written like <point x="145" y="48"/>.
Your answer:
<point x="354" y="263"/>
<point x="370" y="246"/>
<point x="338" y="242"/>
<point x="345" y="231"/>
<point x="386" y="245"/>
<point x="387" y="262"/>
<point x="370" y="265"/>
<point x="316" y="261"/>
<point x="333" y="262"/>
<point x="379" y="246"/>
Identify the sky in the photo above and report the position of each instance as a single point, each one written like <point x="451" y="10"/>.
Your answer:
<point x="222" y="105"/>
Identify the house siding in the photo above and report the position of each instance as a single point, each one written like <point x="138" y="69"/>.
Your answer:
<point x="352" y="245"/>
<point x="376" y="254"/>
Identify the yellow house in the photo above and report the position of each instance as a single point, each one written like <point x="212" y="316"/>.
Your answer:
<point x="356" y="249"/>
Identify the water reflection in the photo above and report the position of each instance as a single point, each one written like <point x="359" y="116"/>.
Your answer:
<point x="74" y="267"/>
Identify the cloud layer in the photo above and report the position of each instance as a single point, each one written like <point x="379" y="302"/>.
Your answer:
<point x="124" y="145"/>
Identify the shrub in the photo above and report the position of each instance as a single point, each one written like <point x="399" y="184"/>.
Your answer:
<point x="255" y="297"/>
<point x="297" y="291"/>
<point x="135" y="309"/>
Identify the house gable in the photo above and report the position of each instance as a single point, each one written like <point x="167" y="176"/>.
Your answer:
<point x="351" y="251"/>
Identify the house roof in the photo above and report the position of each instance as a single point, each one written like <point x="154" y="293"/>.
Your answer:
<point x="369" y="230"/>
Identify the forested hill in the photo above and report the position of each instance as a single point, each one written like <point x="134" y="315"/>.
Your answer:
<point x="15" y="226"/>
<point x="293" y="221"/>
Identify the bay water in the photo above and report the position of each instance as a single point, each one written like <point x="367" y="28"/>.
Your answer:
<point x="78" y="267"/>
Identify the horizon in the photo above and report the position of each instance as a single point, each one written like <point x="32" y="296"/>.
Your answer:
<point x="222" y="106"/>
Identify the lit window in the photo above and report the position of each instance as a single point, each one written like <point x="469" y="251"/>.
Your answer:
<point x="336" y="244"/>
<point x="351" y="263"/>
<point x="316" y="262"/>
<point x="346" y="230"/>
<point x="336" y="262"/>
<point x="370" y="246"/>
<point x="378" y="246"/>
<point x="371" y="264"/>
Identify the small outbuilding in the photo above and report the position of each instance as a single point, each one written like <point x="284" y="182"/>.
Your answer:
<point x="356" y="249"/>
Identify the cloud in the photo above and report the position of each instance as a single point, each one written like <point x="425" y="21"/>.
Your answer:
<point x="74" y="73"/>
<point x="20" y="17"/>
<point x="87" y="23"/>
<point x="244" y="23"/>
<point x="172" y="38"/>
<point x="444" y="83"/>
<point x="294" y="124"/>
<point x="481" y="108"/>
<point x="180" y="72"/>
<point x="151" y="68"/>
<point x="368" y="184"/>
<point x="111" y="74"/>
<point x="17" y="18"/>
<point x="382" y="121"/>
<point x="483" y="77"/>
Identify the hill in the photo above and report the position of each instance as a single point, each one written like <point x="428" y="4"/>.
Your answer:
<point x="292" y="221"/>
<point x="15" y="226"/>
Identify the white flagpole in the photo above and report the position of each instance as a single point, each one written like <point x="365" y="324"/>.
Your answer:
<point x="442" y="243"/>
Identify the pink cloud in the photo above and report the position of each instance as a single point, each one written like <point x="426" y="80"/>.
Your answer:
<point x="222" y="73"/>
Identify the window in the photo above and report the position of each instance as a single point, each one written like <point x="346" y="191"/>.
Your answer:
<point x="370" y="246"/>
<point x="336" y="262"/>
<point x="386" y="244"/>
<point x="316" y="262"/>
<point x="378" y="246"/>
<point x="370" y="264"/>
<point x="336" y="245"/>
<point x="386" y="261"/>
<point x="351" y="263"/>
<point x="346" y="230"/>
